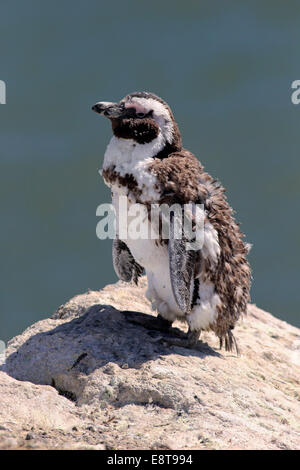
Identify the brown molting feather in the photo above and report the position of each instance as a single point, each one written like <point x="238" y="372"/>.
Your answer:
<point x="128" y="181"/>
<point x="182" y="180"/>
<point x="178" y="177"/>
<point x="142" y="131"/>
<point x="229" y="341"/>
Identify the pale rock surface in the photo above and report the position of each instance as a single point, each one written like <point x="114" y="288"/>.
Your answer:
<point x="87" y="378"/>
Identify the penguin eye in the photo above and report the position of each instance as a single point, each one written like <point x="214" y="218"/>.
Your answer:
<point x="142" y="115"/>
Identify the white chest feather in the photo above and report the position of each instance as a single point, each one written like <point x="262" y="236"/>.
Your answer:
<point x="129" y="158"/>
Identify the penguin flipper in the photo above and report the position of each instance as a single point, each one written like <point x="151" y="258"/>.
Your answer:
<point x="125" y="266"/>
<point x="182" y="268"/>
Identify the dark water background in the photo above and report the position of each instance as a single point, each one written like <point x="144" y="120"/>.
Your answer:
<point x="226" y="69"/>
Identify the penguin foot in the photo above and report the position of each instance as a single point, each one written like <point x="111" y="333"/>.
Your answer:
<point x="147" y="321"/>
<point x="189" y="341"/>
<point x="163" y="323"/>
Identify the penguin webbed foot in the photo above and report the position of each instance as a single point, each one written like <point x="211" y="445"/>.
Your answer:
<point x="147" y="321"/>
<point x="189" y="341"/>
<point x="163" y="323"/>
<point x="172" y="337"/>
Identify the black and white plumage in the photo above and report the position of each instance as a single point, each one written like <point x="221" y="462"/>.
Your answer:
<point x="145" y="161"/>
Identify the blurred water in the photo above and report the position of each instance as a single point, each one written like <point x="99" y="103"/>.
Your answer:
<point x="224" y="67"/>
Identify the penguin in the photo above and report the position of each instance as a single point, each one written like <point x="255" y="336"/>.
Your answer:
<point x="207" y="284"/>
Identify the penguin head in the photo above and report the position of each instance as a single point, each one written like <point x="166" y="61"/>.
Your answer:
<point x="140" y="116"/>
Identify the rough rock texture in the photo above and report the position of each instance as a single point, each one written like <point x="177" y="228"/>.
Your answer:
<point x="89" y="378"/>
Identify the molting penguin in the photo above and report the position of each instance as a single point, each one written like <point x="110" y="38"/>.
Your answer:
<point x="145" y="162"/>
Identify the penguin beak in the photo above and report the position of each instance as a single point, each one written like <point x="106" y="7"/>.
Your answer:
<point x="109" y="110"/>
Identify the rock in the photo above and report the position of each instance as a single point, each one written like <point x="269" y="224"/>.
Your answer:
<point x="89" y="378"/>
<point x="24" y="405"/>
